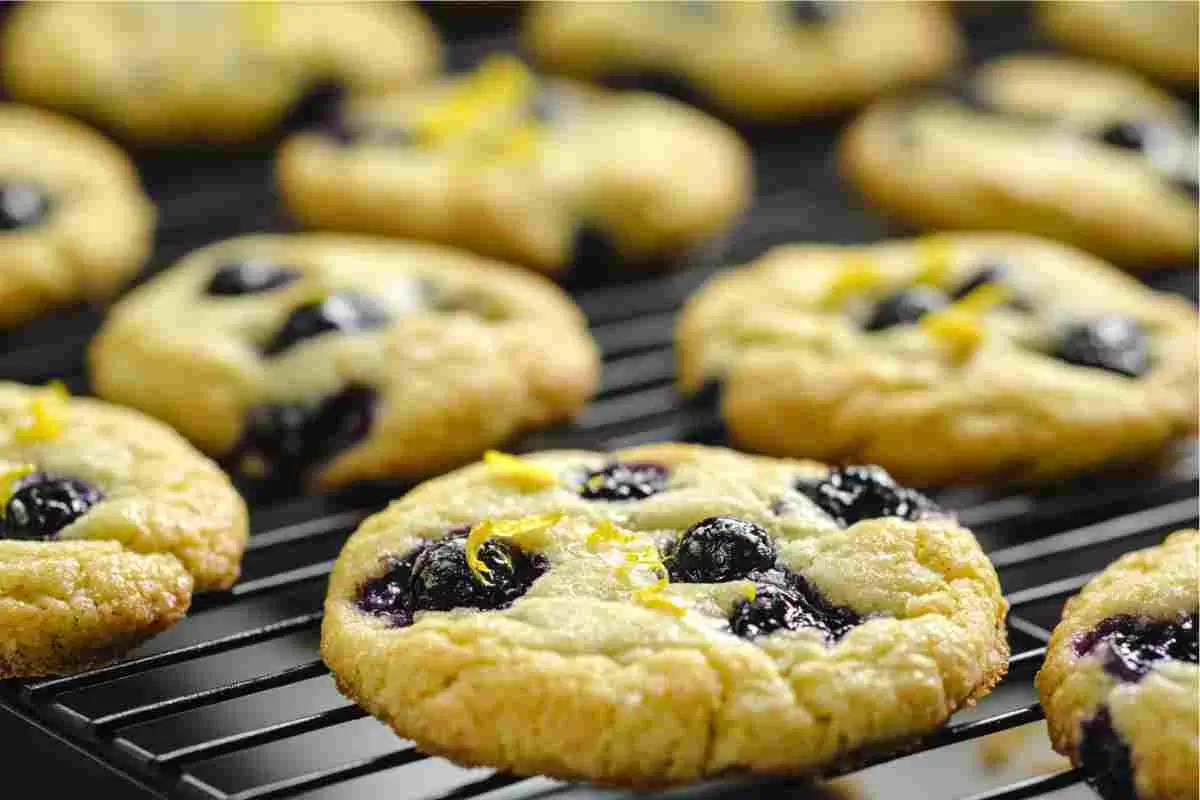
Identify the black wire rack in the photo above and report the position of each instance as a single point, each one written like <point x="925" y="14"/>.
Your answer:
<point x="234" y="703"/>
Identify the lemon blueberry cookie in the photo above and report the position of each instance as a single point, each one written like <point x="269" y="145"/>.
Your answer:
<point x="1077" y="151"/>
<point x="219" y="72"/>
<point x="1121" y="685"/>
<point x="543" y="173"/>
<point x="108" y="522"/>
<point x="74" y="223"/>
<point x="662" y="614"/>
<point x="758" y="60"/>
<point x="950" y="358"/>
<point x="1161" y="39"/>
<point x="331" y="359"/>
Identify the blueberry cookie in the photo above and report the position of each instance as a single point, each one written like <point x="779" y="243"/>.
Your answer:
<point x="1073" y="150"/>
<point x="1120" y="685"/>
<point x="74" y="224"/>
<point x="951" y="358"/>
<point x="331" y="359"/>
<point x="543" y="173"/>
<point x="757" y="60"/>
<point x="218" y="72"/>
<point x="1158" y="38"/>
<point x="662" y="614"/>
<point x="108" y="522"/>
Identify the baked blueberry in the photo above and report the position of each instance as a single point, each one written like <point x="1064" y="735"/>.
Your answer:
<point x="854" y="493"/>
<point x="786" y="601"/>
<point x="1106" y="759"/>
<point x="345" y="311"/>
<point x="250" y="276"/>
<point x="721" y="549"/>
<point x="390" y="595"/>
<point x="809" y="12"/>
<point x="1130" y="646"/>
<point x="42" y="505"/>
<point x="442" y="580"/>
<point x="22" y="205"/>
<point x="619" y="481"/>
<point x="1117" y="344"/>
<point x="905" y="307"/>
<point x="1130" y="134"/>
<point x="283" y="441"/>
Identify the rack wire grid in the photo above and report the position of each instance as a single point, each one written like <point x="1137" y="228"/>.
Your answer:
<point x="234" y="703"/>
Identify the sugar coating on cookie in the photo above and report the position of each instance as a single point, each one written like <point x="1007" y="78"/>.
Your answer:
<point x="1121" y="684"/>
<point x="213" y="72"/>
<point x="330" y="359"/>
<point x="1161" y="39"/>
<point x="504" y="163"/>
<point x="108" y="521"/>
<point x="74" y="223"/>
<point x="758" y="60"/>
<point x="955" y="357"/>
<point x="1072" y="150"/>
<point x="662" y="614"/>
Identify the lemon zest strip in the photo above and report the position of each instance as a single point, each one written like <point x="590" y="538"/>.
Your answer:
<point x="935" y="256"/>
<point x="47" y="414"/>
<point x="502" y="529"/>
<point x="607" y="533"/>
<point x="856" y="276"/>
<point x="518" y="471"/>
<point x="960" y="324"/>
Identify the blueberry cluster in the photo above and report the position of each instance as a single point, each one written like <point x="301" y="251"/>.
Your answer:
<point x="1130" y="646"/>
<point x="41" y="505"/>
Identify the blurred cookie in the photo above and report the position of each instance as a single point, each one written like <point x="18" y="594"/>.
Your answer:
<point x="947" y="359"/>
<point x="758" y="60"/>
<point x="74" y="223"/>
<point x="1161" y="39"/>
<point x="1121" y="685"/>
<point x="505" y="164"/>
<point x="212" y="72"/>
<point x="1072" y="150"/>
<point x="662" y="614"/>
<point x="108" y="520"/>
<point x="331" y="359"/>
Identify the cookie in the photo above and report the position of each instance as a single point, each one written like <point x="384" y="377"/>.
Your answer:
<point x="1081" y="152"/>
<point x="160" y="73"/>
<point x="108" y="522"/>
<point x="662" y="614"/>
<point x="951" y="358"/>
<point x="755" y="60"/>
<point x="330" y="359"/>
<point x="1157" y="38"/>
<point x="1120" y="684"/>
<point x="74" y="223"/>
<point x="543" y="173"/>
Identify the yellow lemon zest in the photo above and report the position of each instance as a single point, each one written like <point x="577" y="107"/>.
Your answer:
<point x="502" y="529"/>
<point x="500" y="82"/>
<point x="960" y="325"/>
<point x="750" y="592"/>
<point x="47" y="414"/>
<point x="856" y="276"/>
<point x="607" y="533"/>
<point x="935" y="256"/>
<point x="9" y="477"/>
<point x="652" y="595"/>
<point x="521" y="473"/>
<point x="519" y="144"/>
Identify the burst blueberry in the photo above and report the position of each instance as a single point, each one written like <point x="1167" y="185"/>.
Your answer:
<point x="855" y="493"/>
<point x="721" y="549"/>
<point x="619" y="481"/>
<point x="346" y="311"/>
<point x="23" y="204"/>
<point x="905" y="307"/>
<point x="390" y="595"/>
<point x="1106" y="759"/>
<point x="42" y="505"/>
<point x="1130" y="646"/>
<point x="251" y="276"/>
<point x="786" y="601"/>
<point x="1116" y="344"/>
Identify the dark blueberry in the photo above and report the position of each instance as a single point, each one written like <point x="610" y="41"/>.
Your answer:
<point x="619" y="481"/>
<point x="850" y="494"/>
<point x="1130" y="646"/>
<point x="721" y="549"/>
<point x="1106" y="759"/>
<point x="905" y="307"/>
<point x="1117" y="344"/>
<point x="22" y="204"/>
<point x="990" y="272"/>
<point x="1130" y="134"/>
<point x="42" y="505"/>
<point x="251" y="276"/>
<point x="442" y="580"/>
<point x="390" y="594"/>
<point x="809" y="12"/>
<point x="786" y="601"/>
<point x="284" y="441"/>
<point x="344" y="311"/>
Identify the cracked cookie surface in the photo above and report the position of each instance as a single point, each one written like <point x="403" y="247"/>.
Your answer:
<point x="329" y="359"/>
<point x="715" y="619"/>
<point x="1004" y="356"/>
<point x="1121" y="684"/>
<point x="108" y="522"/>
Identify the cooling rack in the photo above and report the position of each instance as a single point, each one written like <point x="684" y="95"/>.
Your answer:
<point x="234" y="703"/>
